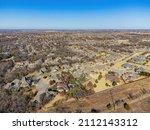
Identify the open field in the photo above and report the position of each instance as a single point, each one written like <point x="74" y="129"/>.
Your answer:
<point x="136" y="95"/>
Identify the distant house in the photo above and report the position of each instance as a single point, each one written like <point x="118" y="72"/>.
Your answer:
<point x="61" y="86"/>
<point x="29" y="80"/>
<point x="132" y="75"/>
<point x="139" y="70"/>
<point x="71" y="86"/>
<point x="128" y="66"/>
<point x="120" y="72"/>
<point x="139" y="59"/>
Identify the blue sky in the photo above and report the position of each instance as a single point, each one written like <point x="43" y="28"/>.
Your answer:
<point x="74" y="14"/>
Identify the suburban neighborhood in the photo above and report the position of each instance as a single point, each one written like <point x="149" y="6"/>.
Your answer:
<point x="50" y="68"/>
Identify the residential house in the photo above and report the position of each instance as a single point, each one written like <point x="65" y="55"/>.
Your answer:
<point x="128" y="66"/>
<point x="61" y="86"/>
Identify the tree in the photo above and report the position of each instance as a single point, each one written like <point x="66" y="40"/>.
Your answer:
<point x="107" y="85"/>
<point x="126" y="106"/>
<point x="89" y="84"/>
<point x="95" y="85"/>
<point x="96" y="81"/>
<point x="51" y="82"/>
<point x="114" y="83"/>
<point x="99" y="77"/>
<point x="109" y="106"/>
<point x="15" y="101"/>
<point x="145" y="74"/>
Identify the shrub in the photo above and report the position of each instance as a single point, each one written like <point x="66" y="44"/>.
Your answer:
<point x="126" y="106"/>
<point x="109" y="106"/>
<point x="114" y="83"/>
<point x="145" y="74"/>
<point x="96" y="81"/>
<point x="107" y="85"/>
<point x="99" y="77"/>
<point x="51" y="82"/>
<point x="95" y="85"/>
<point x="94" y="110"/>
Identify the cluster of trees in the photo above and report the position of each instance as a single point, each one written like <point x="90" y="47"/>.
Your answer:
<point x="107" y="85"/>
<point x="16" y="101"/>
<point x="111" y="106"/>
<point x="114" y="83"/>
<point x="4" y="67"/>
<point x="145" y="74"/>
<point x="100" y="76"/>
<point x="97" y="80"/>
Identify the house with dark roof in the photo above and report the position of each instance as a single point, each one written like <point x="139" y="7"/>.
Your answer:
<point x="29" y="80"/>
<point x="139" y="59"/>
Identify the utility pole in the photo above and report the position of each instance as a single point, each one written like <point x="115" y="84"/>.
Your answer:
<point x="112" y="99"/>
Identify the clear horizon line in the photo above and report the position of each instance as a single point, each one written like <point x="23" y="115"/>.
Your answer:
<point x="72" y="29"/>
